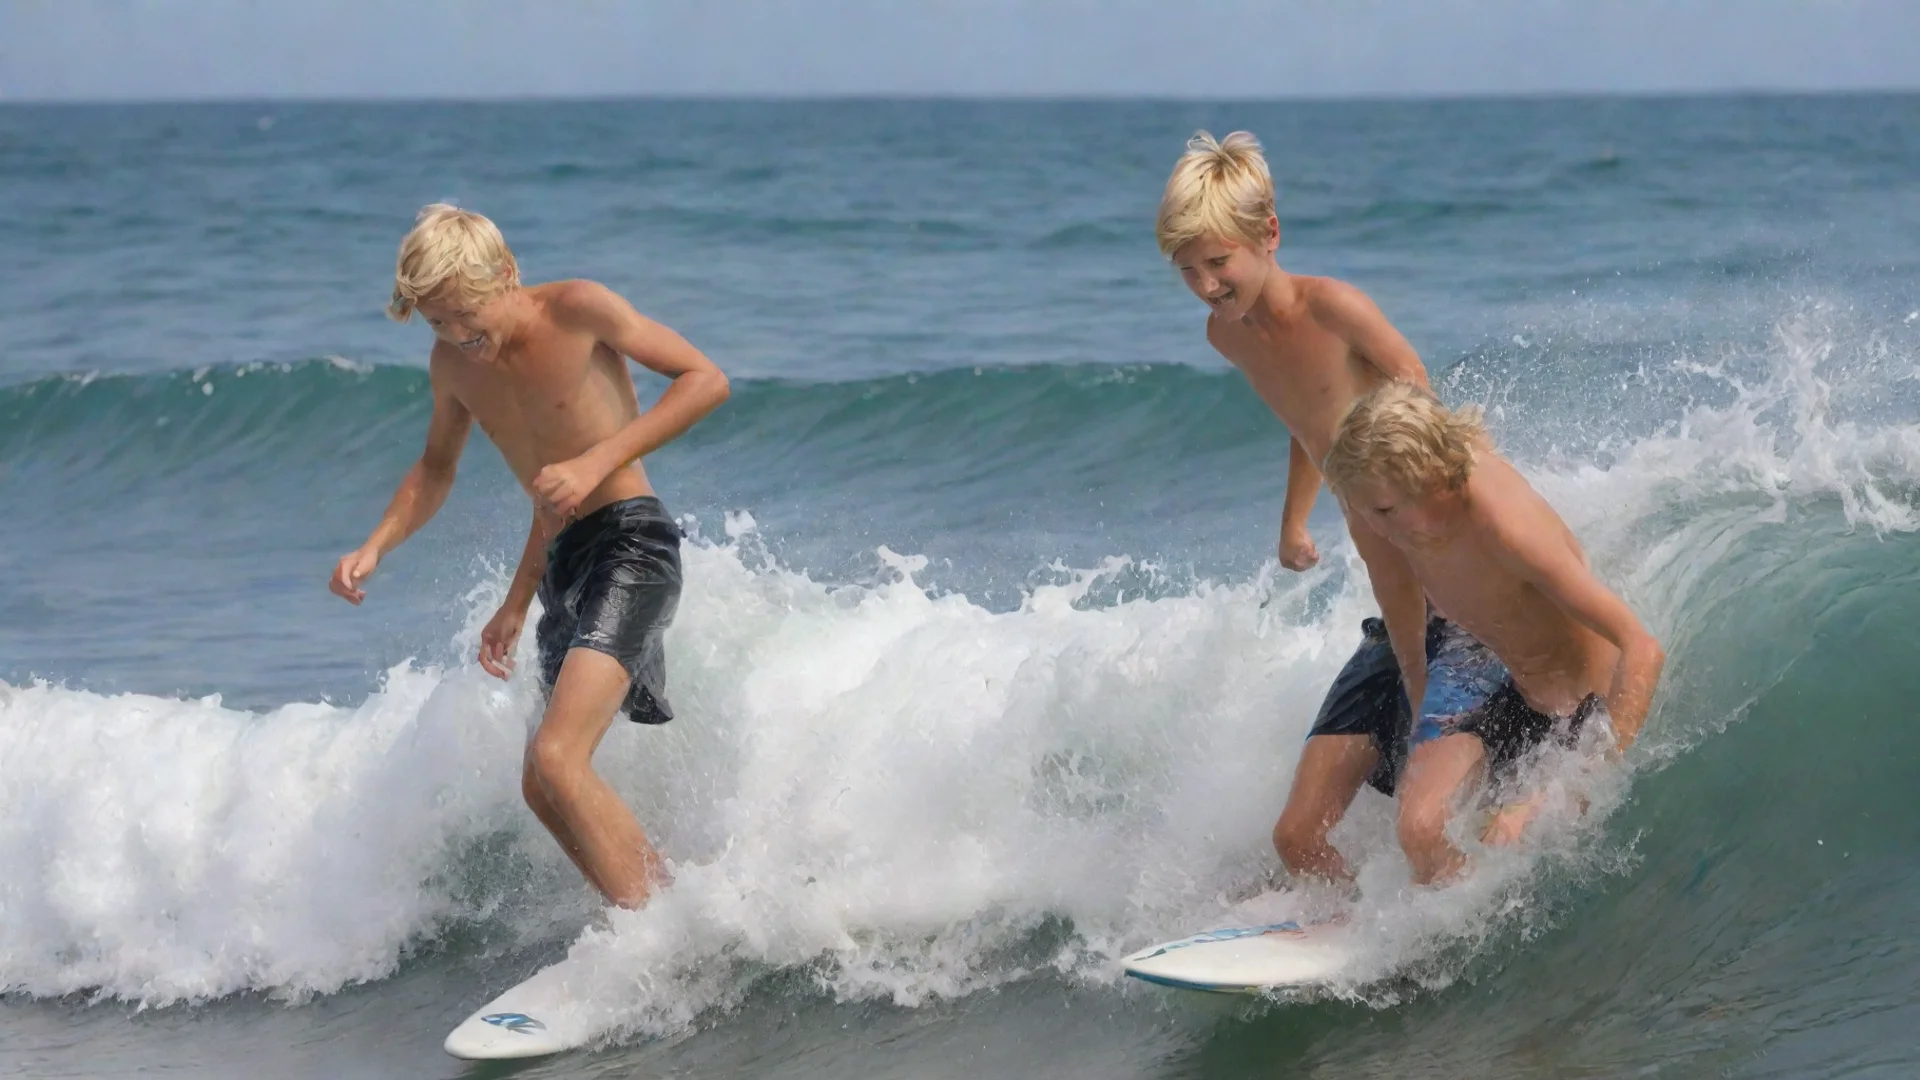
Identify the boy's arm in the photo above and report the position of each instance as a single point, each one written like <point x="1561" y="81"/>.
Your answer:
<point x="1303" y="486"/>
<point x="698" y="388"/>
<point x="419" y="497"/>
<point x="533" y="559"/>
<point x="1349" y="313"/>
<point x="1403" y="605"/>
<point x="503" y="630"/>
<point x="1538" y="552"/>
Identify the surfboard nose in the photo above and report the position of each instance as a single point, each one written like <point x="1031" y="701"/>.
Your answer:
<point x="487" y="1036"/>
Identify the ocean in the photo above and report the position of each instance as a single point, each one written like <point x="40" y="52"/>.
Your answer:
<point x="986" y="674"/>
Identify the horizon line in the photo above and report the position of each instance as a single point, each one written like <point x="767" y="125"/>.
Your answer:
<point x="1077" y="98"/>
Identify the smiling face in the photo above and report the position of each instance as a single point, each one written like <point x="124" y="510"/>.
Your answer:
<point x="1226" y="272"/>
<point x="476" y="328"/>
<point x="454" y="268"/>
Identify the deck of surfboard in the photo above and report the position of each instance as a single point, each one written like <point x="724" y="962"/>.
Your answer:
<point x="1247" y="959"/>
<point x="536" y="1017"/>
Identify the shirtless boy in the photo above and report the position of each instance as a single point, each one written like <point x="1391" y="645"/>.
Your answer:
<point x="1559" y="646"/>
<point x="1310" y="346"/>
<point x="540" y="367"/>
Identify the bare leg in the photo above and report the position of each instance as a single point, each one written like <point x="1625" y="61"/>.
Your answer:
<point x="1329" y="775"/>
<point x="1436" y="773"/>
<point x="536" y="798"/>
<point x="596" y="828"/>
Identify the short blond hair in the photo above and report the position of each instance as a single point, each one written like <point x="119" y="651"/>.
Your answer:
<point x="451" y="254"/>
<point x="1218" y="188"/>
<point x="1401" y="435"/>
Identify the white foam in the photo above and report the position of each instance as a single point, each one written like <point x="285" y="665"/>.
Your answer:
<point x="921" y="759"/>
<point x="891" y="785"/>
<point x="159" y="850"/>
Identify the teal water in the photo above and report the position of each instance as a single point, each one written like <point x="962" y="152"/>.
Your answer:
<point x="985" y="670"/>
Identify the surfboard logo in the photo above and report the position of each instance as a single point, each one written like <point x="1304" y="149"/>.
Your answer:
<point x="518" y="1023"/>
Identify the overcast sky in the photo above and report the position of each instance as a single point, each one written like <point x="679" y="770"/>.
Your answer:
<point x="143" y="49"/>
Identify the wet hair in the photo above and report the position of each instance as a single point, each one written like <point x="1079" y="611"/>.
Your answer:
<point x="1401" y="435"/>
<point x="1218" y="188"/>
<point x="452" y="255"/>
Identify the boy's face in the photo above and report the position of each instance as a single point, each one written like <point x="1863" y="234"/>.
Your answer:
<point x="475" y="329"/>
<point x="1414" y="522"/>
<point x="1227" y="272"/>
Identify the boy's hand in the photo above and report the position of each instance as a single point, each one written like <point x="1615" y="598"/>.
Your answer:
<point x="564" y="485"/>
<point x="498" y="639"/>
<point x="1297" y="551"/>
<point x="354" y="567"/>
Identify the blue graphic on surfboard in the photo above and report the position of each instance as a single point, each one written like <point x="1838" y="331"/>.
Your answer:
<point x="543" y="1015"/>
<point x="1249" y="959"/>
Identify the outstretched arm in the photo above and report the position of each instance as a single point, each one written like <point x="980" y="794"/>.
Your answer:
<point x="1530" y="539"/>
<point x="420" y="495"/>
<point x="697" y="389"/>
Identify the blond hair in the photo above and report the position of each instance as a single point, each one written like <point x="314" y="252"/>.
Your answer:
<point x="451" y="254"/>
<point x="1401" y="435"/>
<point x="1218" y="188"/>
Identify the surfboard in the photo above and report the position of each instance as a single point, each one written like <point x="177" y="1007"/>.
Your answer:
<point x="538" y="1016"/>
<point x="1248" y="959"/>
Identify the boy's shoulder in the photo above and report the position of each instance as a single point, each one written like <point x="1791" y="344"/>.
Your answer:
<point x="569" y="292"/>
<point x="1338" y="304"/>
<point x="574" y="301"/>
<point x="1506" y="509"/>
<point x="1334" y="305"/>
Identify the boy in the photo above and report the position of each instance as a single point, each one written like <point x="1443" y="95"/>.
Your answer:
<point x="1559" y="648"/>
<point x="1310" y="347"/>
<point x="540" y="368"/>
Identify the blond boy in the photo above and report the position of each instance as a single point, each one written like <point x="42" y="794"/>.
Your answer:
<point x="1310" y="346"/>
<point x="540" y="367"/>
<point x="1559" y="649"/>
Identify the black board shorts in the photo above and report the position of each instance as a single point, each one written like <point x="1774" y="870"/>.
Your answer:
<point x="1368" y="698"/>
<point x="612" y="585"/>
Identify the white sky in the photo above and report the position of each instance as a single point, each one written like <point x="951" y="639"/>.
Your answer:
<point x="145" y="49"/>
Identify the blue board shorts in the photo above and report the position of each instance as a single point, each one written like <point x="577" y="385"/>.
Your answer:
<point x="1367" y="698"/>
<point x="1470" y="692"/>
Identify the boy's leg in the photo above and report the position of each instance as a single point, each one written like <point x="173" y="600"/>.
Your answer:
<point x="597" y="830"/>
<point x="1437" y="770"/>
<point x="1329" y="775"/>
<point x="1361" y="719"/>
<point x="536" y="797"/>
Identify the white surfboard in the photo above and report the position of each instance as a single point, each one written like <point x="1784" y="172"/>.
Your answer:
<point x="539" y="1016"/>
<point x="1248" y="959"/>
